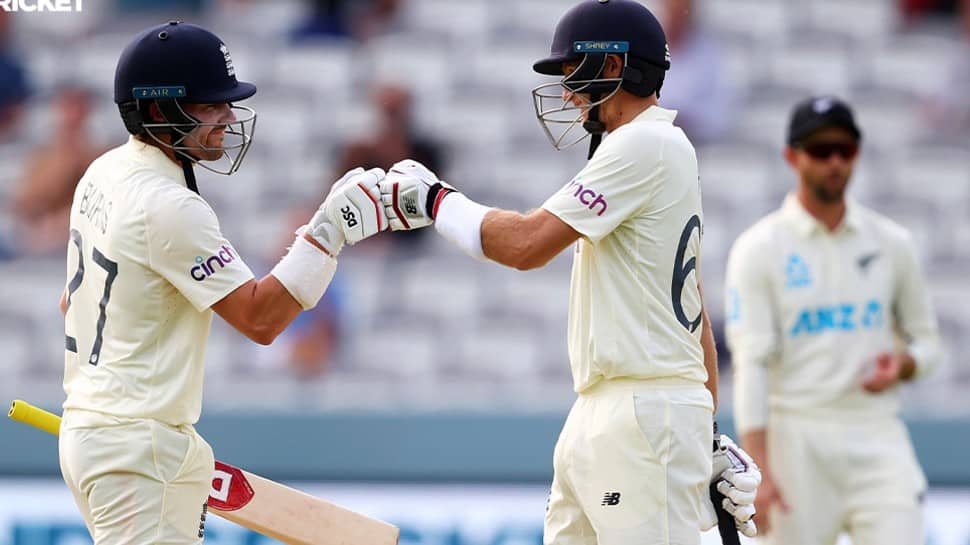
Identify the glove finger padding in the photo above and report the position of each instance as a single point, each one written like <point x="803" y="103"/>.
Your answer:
<point x="747" y="528"/>
<point x="741" y="513"/>
<point x="410" y="167"/>
<point x="735" y="494"/>
<point x="346" y="178"/>
<point x="404" y="197"/>
<point x="356" y="208"/>
<point x="746" y="481"/>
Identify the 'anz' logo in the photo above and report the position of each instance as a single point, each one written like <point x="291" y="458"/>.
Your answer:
<point x="588" y="197"/>
<point x="845" y="317"/>
<point x="206" y="267"/>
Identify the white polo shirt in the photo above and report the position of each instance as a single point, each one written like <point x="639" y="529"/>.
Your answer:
<point x="634" y="301"/>
<point x="145" y="262"/>
<point x="808" y="311"/>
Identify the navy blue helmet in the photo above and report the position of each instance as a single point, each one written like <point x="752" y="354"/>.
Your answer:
<point x="174" y="64"/>
<point x="586" y="34"/>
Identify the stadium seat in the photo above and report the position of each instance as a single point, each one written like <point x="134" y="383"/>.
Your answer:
<point x="764" y="22"/>
<point x="322" y="70"/>
<point x="410" y="60"/>
<point x="405" y="351"/>
<point x="814" y="69"/>
<point x="464" y="23"/>
<point x="902" y="64"/>
<point x="96" y="65"/>
<point x="737" y="174"/>
<point x="537" y="17"/>
<point x="937" y="177"/>
<point x="509" y="351"/>
<point x="869" y="22"/>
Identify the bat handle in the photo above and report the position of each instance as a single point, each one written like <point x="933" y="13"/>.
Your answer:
<point x="725" y="522"/>
<point x="21" y="411"/>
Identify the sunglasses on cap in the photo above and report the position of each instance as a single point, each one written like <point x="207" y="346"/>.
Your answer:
<point x="824" y="150"/>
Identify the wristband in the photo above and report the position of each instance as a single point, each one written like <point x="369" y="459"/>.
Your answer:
<point x="305" y="271"/>
<point x="459" y="219"/>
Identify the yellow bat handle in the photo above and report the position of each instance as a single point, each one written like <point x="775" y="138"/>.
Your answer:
<point x="21" y="411"/>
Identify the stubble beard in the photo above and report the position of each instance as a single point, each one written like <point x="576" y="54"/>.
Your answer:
<point x="826" y="196"/>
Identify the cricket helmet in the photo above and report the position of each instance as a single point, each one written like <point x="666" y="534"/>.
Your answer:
<point x="586" y="34"/>
<point x="178" y="63"/>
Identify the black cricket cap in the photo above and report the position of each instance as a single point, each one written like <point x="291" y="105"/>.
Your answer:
<point x="818" y="113"/>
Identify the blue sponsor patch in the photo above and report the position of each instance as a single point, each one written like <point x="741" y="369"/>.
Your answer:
<point x="601" y="47"/>
<point x="174" y="91"/>
<point x="845" y="317"/>
<point x="797" y="273"/>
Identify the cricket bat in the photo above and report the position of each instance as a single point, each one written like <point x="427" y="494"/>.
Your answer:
<point x="725" y="521"/>
<point x="262" y="505"/>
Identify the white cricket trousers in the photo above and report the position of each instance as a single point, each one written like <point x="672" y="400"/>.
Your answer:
<point x="632" y="465"/>
<point x="136" y="481"/>
<point x="844" y="474"/>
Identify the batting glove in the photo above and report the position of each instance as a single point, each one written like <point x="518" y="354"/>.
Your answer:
<point x="411" y="195"/>
<point x="351" y="212"/>
<point x="737" y="477"/>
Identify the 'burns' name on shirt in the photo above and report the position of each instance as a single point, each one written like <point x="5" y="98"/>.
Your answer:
<point x="95" y="207"/>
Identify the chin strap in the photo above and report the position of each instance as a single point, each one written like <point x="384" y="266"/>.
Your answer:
<point x="186" y="163"/>
<point x="594" y="127"/>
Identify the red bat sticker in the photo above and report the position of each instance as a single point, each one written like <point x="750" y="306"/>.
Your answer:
<point x="230" y="489"/>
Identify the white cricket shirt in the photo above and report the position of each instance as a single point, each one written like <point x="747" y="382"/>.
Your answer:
<point x="145" y="262"/>
<point x="634" y="301"/>
<point x="808" y="311"/>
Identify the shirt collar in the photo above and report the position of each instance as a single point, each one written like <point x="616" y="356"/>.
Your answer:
<point x="807" y="225"/>
<point x="656" y="113"/>
<point x="155" y="159"/>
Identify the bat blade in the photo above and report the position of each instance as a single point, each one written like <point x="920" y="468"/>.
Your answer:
<point x="289" y="515"/>
<point x="262" y="505"/>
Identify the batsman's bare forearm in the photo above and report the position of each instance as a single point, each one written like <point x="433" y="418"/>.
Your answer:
<point x="260" y="309"/>
<point x="525" y="241"/>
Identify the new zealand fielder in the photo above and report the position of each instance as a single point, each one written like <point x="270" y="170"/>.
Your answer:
<point x="827" y="316"/>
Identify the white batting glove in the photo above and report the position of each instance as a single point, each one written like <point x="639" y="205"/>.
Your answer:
<point x="351" y="212"/>
<point x="737" y="477"/>
<point x="411" y="195"/>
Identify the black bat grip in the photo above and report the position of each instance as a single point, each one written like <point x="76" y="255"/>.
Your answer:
<point x="725" y="522"/>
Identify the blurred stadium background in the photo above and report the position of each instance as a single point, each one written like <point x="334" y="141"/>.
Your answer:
<point x="438" y="371"/>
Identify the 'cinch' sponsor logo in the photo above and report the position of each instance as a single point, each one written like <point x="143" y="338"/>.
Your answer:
<point x="590" y="198"/>
<point x="206" y="267"/>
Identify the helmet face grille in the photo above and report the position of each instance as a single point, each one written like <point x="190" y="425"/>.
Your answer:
<point x="554" y="104"/>
<point x="238" y="137"/>
<point x="177" y="63"/>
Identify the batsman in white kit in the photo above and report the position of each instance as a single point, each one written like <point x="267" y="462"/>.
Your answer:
<point x="827" y="315"/>
<point x="633" y="464"/>
<point x="147" y="265"/>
